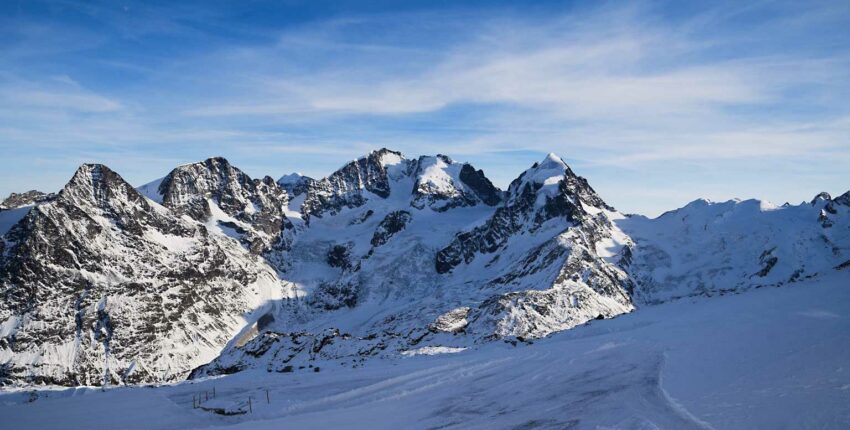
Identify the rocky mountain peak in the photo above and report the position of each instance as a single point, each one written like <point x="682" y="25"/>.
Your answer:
<point x="843" y="199"/>
<point x="547" y="191"/>
<point x="552" y="179"/>
<point x="552" y="160"/>
<point x="442" y="184"/>
<point x="290" y="178"/>
<point x="347" y="187"/>
<point x="16" y="200"/>
<point x="189" y="185"/>
<point x="385" y="157"/>
<point x="100" y="186"/>
<point x="820" y="197"/>
<point x="295" y="183"/>
<point x="216" y="192"/>
<point x="91" y="175"/>
<point x="128" y="291"/>
<point x="549" y="172"/>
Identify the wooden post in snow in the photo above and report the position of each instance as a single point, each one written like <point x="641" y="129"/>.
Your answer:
<point x="267" y="396"/>
<point x="250" y="409"/>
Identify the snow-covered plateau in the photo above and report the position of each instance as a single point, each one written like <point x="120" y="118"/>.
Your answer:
<point x="413" y="293"/>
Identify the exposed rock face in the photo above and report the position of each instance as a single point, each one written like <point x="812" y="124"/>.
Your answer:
<point x="843" y="200"/>
<point x="438" y="183"/>
<point x="100" y="286"/>
<point x="585" y="285"/>
<point x="546" y="191"/>
<point x="442" y="184"/>
<point x="286" y="352"/>
<point x="480" y="185"/>
<point x="452" y="321"/>
<point x="821" y="197"/>
<point x="393" y="223"/>
<point x="339" y="256"/>
<point x="213" y="190"/>
<point x="28" y="198"/>
<point x="346" y="187"/>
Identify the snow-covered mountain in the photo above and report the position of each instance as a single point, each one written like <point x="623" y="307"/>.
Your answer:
<point x="102" y="285"/>
<point x="710" y="248"/>
<point x="295" y="183"/>
<point x="208" y="271"/>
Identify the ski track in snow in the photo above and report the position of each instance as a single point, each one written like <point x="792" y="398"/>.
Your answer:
<point x="751" y="360"/>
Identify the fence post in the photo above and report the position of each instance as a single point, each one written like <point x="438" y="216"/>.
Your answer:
<point x="213" y="391"/>
<point x="250" y="409"/>
<point x="267" y="396"/>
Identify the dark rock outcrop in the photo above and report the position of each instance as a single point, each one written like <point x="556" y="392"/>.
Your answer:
<point x="32" y="197"/>
<point x="393" y="223"/>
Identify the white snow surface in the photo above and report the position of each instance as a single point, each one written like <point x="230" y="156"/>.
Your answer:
<point x="766" y="358"/>
<point x="151" y="190"/>
<point x="10" y="217"/>
<point x="291" y="178"/>
<point x="705" y="247"/>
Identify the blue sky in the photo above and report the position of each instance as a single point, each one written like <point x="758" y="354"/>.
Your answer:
<point x="656" y="103"/>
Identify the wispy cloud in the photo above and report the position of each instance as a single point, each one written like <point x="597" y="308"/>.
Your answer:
<point x="615" y="88"/>
<point x="56" y="94"/>
<point x="615" y="78"/>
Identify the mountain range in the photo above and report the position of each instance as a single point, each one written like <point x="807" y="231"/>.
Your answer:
<point x="208" y="271"/>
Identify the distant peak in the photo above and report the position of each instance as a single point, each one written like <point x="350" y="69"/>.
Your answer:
<point x="387" y="157"/>
<point x="96" y="182"/>
<point x="700" y="202"/>
<point x="26" y="194"/>
<point x="822" y="196"/>
<point x="290" y="178"/>
<point x="380" y="153"/>
<point x="209" y="162"/>
<point x="543" y="172"/>
<point x="386" y="151"/>
<point x="26" y="198"/>
<point x="91" y="172"/>
<point x="215" y="161"/>
<point x="552" y="159"/>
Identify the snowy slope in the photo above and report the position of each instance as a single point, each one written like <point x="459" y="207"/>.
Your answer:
<point x="707" y="248"/>
<point x="768" y="358"/>
<point x="17" y="206"/>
